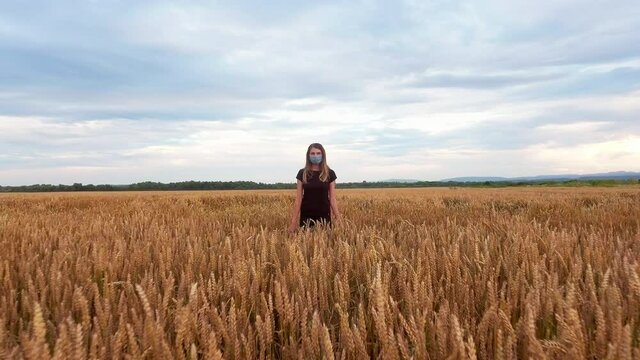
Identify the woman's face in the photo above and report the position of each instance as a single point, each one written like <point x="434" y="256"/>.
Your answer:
<point x="315" y="151"/>
<point x="315" y="156"/>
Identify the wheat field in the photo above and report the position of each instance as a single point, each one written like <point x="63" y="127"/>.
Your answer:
<point x="438" y="273"/>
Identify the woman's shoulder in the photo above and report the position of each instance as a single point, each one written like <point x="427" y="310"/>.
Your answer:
<point x="332" y="175"/>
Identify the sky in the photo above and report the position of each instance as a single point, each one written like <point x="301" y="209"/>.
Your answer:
<point x="117" y="92"/>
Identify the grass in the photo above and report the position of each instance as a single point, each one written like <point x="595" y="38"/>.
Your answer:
<point x="411" y="273"/>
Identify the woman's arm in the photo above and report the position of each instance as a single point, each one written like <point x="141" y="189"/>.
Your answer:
<point x="295" y="212"/>
<point x="332" y="200"/>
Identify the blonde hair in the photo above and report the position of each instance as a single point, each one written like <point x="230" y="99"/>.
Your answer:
<point x="324" y="168"/>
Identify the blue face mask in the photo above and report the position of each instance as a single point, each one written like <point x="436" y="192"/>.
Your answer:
<point x="315" y="159"/>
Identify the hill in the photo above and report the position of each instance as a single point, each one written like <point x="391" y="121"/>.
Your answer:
<point x="615" y="175"/>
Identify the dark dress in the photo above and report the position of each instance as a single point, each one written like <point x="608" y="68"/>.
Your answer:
<point x="315" y="198"/>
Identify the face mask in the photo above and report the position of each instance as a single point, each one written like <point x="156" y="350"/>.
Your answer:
<point x="315" y="159"/>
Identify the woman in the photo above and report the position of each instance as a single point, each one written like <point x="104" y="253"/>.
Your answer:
<point x="315" y="191"/>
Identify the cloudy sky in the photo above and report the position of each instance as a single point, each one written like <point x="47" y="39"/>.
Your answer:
<point x="127" y="91"/>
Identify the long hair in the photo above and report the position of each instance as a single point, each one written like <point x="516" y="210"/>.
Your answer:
<point x="324" y="168"/>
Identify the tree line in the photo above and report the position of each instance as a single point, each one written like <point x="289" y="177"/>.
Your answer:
<point x="251" y="185"/>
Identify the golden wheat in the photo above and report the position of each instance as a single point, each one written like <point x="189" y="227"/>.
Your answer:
<point x="410" y="273"/>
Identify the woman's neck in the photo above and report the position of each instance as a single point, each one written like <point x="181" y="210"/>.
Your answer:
<point x="315" y="167"/>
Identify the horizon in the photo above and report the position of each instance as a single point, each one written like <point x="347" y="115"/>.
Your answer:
<point x="119" y="93"/>
<point x="387" y="180"/>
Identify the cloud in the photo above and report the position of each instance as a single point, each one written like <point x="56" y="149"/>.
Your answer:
<point x="115" y="91"/>
<point x="481" y="81"/>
